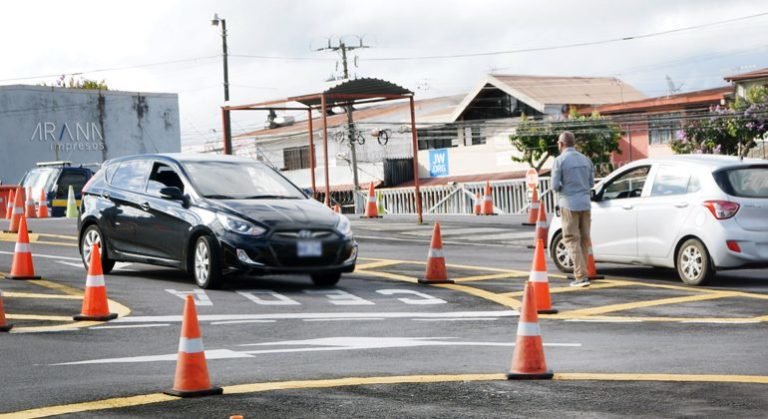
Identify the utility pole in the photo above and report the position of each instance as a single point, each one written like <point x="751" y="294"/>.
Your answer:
<point x="343" y="48"/>
<point x="226" y="114"/>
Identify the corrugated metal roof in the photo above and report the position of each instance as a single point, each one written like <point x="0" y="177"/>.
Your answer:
<point x="571" y="90"/>
<point x="678" y="101"/>
<point x="363" y="87"/>
<point x="757" y="74"/>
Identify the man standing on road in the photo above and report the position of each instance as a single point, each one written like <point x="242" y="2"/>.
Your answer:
<point x="572" y="178"/>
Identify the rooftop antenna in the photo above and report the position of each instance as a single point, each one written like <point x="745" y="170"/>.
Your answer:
<point x="671" y="86"/>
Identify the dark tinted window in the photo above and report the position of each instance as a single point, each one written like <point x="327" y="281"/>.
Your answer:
<point x="131" y="175"/>
<point x="163" y="176"/>
<point x="239" y="180"/>
<point x="76" y="179"/>
<point x="747" y="182"/>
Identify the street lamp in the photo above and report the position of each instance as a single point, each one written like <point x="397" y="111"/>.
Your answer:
<point x="227" y="124"/>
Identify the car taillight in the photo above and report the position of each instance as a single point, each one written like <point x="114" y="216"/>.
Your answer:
<point x="722" y="209"/>
<point x="733" y="246"/>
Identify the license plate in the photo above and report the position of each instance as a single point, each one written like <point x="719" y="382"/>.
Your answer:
<point x="309" y="248"/>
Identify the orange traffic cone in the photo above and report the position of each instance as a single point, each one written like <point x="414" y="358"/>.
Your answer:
<point x="30" y="205"/>
<point x="95" y="303"/>
<point x="528" y="361"/>
<point x="191" y="369"/>
<point x="17" y="211"/>
<point x="488" y="200"/>
<point x="533" y="210"/>
<point x="42" y="206"/>
<point x="478" y="205"/>
<point x="4" y="327"/>
<point x="9" y="205"/>
<point x="436" y="273"/>
<point x="591" y="268"/>
<point x="371" y="208"/>
<point x="22" y="267"/>
<point x="540" y="280"/>
<point x="542" y="228"/>
<point x="3" y="204"/>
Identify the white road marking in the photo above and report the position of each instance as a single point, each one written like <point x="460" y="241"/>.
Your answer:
<point x="245" y="321"/>
<point x="276" y="299"/>
<point x="73" y="264"/>
<point x="200" y="297"/>
<point x="458" y="320"/>
<point x="314" y="345"/>
<point x="425" y="299"/>
<point x="38" y="255"/>
<point x="300" y="316"/>
<point x="605" y="320"/>
<point x="351" y="319"/>
<point x="129" y="326"/>
<point x="342" y="298"/>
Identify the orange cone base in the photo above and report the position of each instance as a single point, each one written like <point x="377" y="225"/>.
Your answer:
<point x="493" y="213"/>
<point x="530" y="246"/>
<point x="367" y="216"/>
<point x="435" y="281"/>
<point x="547" y="375"/>
<point x="81" y="317"/>
<point x="547" y="311"/>
<point x="6" y="328"/>
<point x="22" y="277"/>
<point x="528" y="224"/>
<point x="213" y="391"/>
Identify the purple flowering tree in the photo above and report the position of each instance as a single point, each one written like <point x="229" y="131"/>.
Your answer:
<point x="730" y="130"/>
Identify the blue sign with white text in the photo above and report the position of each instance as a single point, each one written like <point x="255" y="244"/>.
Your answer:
<point x="438" y="162"/>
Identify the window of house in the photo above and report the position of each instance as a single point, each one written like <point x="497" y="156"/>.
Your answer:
<point x="440" y="137"/>
<point x="295" y="158"/>
<point x="662" y="128"/>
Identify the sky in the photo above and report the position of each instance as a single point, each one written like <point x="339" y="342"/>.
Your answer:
<point x="170" y="46"/>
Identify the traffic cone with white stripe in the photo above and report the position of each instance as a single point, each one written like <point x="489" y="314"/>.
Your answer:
<point x="542" y="228"/>
<point x="42" y="206"/>
<point x="540" y="281"/>
<point x="371" y="208"/>
<point x="591" y="268"/>
<point x="29" y="209"/>
<point x="71" y="203"/>
<point x="436" y="272"/>
<point x="17" y="210"/>
<point x="95" y="302"/>
<point x="4" y="327"/>
<point x="191" y="378"/>
<point x="488" y="200"/>
<point x="22" y="267"/>
<point x="9" y="205"/>
<point x="533" y="210"/>
<point x="528" y="361"/>
<point x="478" y="205"/>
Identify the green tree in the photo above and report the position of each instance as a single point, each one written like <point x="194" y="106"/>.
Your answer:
<point x="596" y="138"/>
<point x="729" y="130"/>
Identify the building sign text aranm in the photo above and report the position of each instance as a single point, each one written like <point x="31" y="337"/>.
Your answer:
<point x="78" y="136"/>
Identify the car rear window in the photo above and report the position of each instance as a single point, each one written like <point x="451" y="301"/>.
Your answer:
<point x="746" y="182"/>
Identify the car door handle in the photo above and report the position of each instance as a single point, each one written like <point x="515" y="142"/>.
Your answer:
<point x="681" y="204"/>
<point x="627" y="206"/>
<point x="145" y="206"/>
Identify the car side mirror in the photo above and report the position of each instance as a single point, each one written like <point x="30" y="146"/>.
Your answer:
<point x="172" y="192"/>
<point x="594" y="195"/>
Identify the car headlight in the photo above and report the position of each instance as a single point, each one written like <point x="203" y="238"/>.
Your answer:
<point x="344" y="226"/>
<point x="240" y="226"/>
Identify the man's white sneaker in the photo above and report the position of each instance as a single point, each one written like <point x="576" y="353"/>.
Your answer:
<point x="584" y="282"/>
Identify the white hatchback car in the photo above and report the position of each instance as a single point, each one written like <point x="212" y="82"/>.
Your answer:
<point x="695" y="213"/>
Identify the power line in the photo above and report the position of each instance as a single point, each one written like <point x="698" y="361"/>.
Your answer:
<point x="574" y="45"/>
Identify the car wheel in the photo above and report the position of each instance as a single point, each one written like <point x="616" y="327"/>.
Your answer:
<point x="206" y="265"/>
<point x="693" y="264"/>
<point x="559" y="253"/>
<point x="328" y="279"/>
<point x="93" y="236"/>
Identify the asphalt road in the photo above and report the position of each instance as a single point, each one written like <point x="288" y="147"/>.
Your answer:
<point x="637" y="343"/>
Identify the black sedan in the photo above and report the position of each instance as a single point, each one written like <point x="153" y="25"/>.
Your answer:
<point x="211" y="216"/>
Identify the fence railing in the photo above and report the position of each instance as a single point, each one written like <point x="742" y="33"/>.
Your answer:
<point x="509" y="197"/>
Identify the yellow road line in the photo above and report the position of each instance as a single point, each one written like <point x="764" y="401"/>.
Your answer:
<point x="39" y="317"/>
<point x="379" y="264"/>
<point x="560" y="290"/>
<point x="642" y="304"/>
<point x="487" y="277"/>
<point x="726" y="320"/>
<point x="59" y="236"/>
<point x="387" y="275"/>
<point x="122" y="402"/>
<point x="497" y="298"/>
<point x="53" y="243"/>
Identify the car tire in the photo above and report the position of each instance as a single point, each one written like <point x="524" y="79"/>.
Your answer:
<point x="206" y="263"/>
<point x="327" y="279"/>
<point x="694" y="267"/>
<point x="559" y="254"/>
<point x="93" y="235"/>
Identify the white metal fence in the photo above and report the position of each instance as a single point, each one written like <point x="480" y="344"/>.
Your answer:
<point x="509" y="197"/>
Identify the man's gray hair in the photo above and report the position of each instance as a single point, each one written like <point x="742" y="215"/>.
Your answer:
<point x="567" y="138"/>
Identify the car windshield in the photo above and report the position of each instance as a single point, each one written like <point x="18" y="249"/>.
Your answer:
<point x="239" y="180"/>
<point x="748" y="182"/>
<point x="38" y="179"/>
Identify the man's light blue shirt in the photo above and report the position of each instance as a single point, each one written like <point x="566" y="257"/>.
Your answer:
<point x="573" y="176"/>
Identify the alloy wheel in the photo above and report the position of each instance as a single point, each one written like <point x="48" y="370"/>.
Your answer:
<point x="202" y="262"/>
<point x="692" y="262"/>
